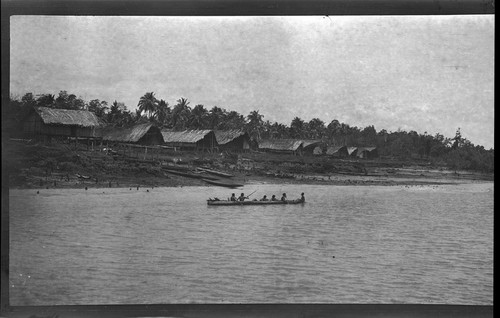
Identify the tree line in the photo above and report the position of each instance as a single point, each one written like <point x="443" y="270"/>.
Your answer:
<point x="456" y="152"/>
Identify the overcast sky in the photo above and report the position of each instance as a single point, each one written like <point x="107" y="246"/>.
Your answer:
<point x="425" y="73"/>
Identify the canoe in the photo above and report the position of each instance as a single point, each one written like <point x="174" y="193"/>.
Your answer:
<point x="188" y="174"/>
<point x="224" y="202"/>
<point x="223" y="183"/>
<point x="217" y="173"/>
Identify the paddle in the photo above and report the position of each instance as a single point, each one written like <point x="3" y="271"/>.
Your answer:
<point x="248" y="196"/>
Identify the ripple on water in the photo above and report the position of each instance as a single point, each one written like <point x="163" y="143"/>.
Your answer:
<point x="346" y="245"/>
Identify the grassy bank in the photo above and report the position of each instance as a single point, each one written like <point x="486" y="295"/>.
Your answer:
<point x="66" y="165"/>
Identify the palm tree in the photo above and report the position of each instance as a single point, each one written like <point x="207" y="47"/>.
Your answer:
<point x="148" y="103"/>
<point x="46" y="100"/>
<point x="199" y="117"/>
<point x="181" y="114"/>
<point x="297" y="127"/>
<point x="215" y="117"/>
<point x="162" y="112"/>
<point x="234" y="120"/>
<point x="316" y="128"/>
<point x="255" y="124"/>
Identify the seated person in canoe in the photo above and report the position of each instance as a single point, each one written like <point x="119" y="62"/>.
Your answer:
<point x="283" y="198"/>
<point x="233" y="197"/>
<point x="273" y="198"/>
<point x="264" y="198"/>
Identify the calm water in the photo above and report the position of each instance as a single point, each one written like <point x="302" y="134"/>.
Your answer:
<point x="425" y="244"/>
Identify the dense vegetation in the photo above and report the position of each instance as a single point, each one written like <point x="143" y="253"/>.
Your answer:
<point x="456" y="152"/>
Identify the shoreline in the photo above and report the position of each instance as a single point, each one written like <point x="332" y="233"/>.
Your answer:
<point x="61" y="167"/>
<point x="179" y="181"/>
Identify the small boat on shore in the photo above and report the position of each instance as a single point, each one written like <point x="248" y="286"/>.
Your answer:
<point x="189" y="174"/>
<point x="225" y="202"/>
<point x="223" y="183"/>
<point x="82" y="177"/>
<point x="217" y="173"/>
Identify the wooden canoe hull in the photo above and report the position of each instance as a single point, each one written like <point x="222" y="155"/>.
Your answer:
<point x="223" y="183"/>
<point x="212" y="202"/>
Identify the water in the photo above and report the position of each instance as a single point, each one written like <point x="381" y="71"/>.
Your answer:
<point x="347" y="244"/>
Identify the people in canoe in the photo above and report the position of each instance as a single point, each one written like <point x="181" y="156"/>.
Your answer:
<point x="242" y="197"/>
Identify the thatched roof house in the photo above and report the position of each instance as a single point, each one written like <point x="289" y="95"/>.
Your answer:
<point x="337" y="151"/>
<point x="53" y="122"/>
<point x="295" y="146"/>
<point x="352" y="151"/>
<point x="367" y="152"/>
<point x="286" y="145"/>
<point x="144" y="134"/>
<point x="308" y="146"/>
<point x="233" y="140"/>
<point x="203" y="140"/>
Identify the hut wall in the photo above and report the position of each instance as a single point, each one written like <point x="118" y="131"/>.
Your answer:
<point x="208" y="143"/>
<point x="152" y="137"/>
<point x="238" y="144"/>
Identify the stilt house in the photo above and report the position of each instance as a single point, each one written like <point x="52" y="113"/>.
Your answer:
<point x="142" y="134"/>
<point x="232" y="140"/>
<point x="47" y="123"/>
<point x="198" y="140"/>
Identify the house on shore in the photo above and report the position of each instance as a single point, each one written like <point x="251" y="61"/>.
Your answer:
<point x="232" y="140"/>
<point x="288" y="146"/>
<point x="198" y="140"/>
<point x="337" y="151"/>
<point x="291" y="146"/>
<point x="367" y="152"/>
<point x="352" y="152"/>
<point x="308" y="146"/>
<point x="142" y="134"/>
<point x="47" y="123"/>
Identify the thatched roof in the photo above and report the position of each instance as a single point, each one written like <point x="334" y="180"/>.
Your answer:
<point x="309" y="143"/>
<point x="225" y="136"/>
<point x="350" y="150"/>
<point x="280" y="144"/>
<point x="369" y="149"/>
<point x="82" y="118"/>
<point x="186" y="136"/>
<point x="334" y="149"/>
<point x="126" y="134"/>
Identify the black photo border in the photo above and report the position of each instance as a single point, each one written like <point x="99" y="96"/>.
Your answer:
<point x="218" y="8"/>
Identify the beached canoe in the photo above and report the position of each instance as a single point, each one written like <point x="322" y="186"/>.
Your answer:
<point x="188" y="174"/>
<point x="223" y="183"/>
<point x="217" y="173"/>
<point x="224" y="202"/>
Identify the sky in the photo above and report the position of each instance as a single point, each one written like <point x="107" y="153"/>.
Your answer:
<point x="429" y="74"/>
